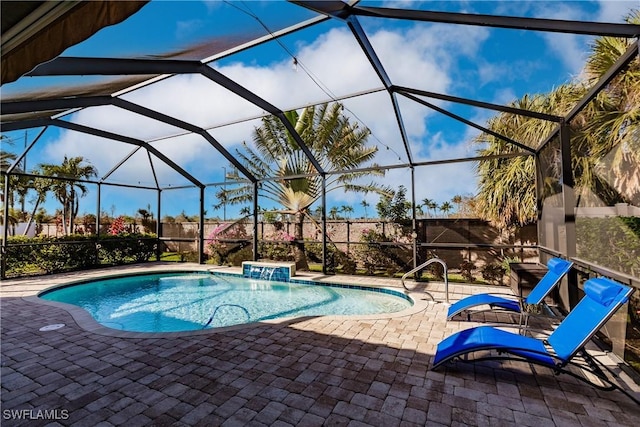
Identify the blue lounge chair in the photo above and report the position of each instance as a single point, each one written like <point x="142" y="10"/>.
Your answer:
<point x="602" y="298"/>
<point x="557" y="268"/>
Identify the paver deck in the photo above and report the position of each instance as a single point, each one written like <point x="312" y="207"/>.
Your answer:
<point x="334" y="371"/>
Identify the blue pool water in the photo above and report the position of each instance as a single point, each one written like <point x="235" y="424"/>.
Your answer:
<point x="187" y="301"/>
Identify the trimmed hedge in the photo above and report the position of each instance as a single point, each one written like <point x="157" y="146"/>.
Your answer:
<point x="46" y="255"/>
<point x="612" y="242"/>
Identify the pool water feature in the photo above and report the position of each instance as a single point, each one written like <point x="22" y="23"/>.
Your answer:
<point x="174" y="302"/>
<point x="280" y="271"/>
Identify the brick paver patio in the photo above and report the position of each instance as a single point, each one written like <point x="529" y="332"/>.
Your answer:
<point x="306" y="372"/>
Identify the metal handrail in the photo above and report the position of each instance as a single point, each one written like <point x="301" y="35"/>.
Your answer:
<point x="423" y="265"/>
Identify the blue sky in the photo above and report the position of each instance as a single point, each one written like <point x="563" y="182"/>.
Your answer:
<point x="485" y="64"/>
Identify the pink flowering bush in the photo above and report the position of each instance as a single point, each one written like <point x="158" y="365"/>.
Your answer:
<point x="117" y="226"/>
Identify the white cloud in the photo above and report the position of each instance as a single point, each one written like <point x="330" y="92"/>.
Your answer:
<point x="421" y="56"/>
<point x="571" y="49"/>
<point x="615" y="10"/>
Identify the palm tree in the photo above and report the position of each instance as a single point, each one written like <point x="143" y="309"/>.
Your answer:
<point x="507" y="185"/>
<point x="6" y="160"/>
<point x="365" y="205"/>
<point x="446" y="208"/>
<point x="348" y="210"/>
<point x="433" y="205"/>
<point x="68" y="192"/>
<point x="605" y="140"/>
<point x="427" y="203"/>
<point x="19" y="185"/>
<point x="41" y="186"/>
<point x="457" y="200"/>
<point x="333" y="213"/>
<point x="334" y="141"/>
<point x="613" y="135"/>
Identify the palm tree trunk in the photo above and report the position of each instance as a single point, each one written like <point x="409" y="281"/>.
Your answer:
<point x="298" y="247"/>
<point x="72" y="209"/>
<point x="64" y="219"/>
<point x="33" y="213"/>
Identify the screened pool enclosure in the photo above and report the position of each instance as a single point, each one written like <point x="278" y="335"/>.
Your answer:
<point x="169" y="117"/>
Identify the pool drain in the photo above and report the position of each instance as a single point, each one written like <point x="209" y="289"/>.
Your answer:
<point x="52" y="327"/>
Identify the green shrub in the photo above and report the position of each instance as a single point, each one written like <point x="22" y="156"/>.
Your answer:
<point x="20" y="257"/>
<point x="374" y="256"/>
<point x="126" y="248"/>
<point x="613" y="242"/>
<point x="73" y="252"/>
<point x="466" y="270"/>
<point x="493" y="273"/>
<point x="46" y="254"/>
<point x="338" y="260"/>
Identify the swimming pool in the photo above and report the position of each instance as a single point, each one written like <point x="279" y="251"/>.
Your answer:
<point x="175" y="302"/>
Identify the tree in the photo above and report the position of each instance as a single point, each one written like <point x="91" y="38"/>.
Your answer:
<point x="333" y="213"/>
<point x="348" y="210"/>
<point x="446" y="207"/>
<point x="426" y="203"/>
<point x="365" y="205"/>
<point x="430" y="204"/>
<point x="395" y="207"/>
<point x="457" y="200"/>
<point x="605" y="140"/>
<point x="335" y="142"/>
<point x="612" y="134"/>
<point x="6" y="161"/>
<point x="68" y="190"/>
<point x="146" y="218"/>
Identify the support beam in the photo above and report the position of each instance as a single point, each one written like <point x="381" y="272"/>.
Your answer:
<point x="632" y="52"/>
<point x="201" y="226"/>
<point x="414" y="231"/>
<point x="486" y="105"/>
<point x="568" y="190"/>
<point x="569" y="205"/>
<point x="78" y="66"/>
<point x="469" y="123"/>
<point x="376" y="64"/>
<point x="21" y="107"/>
<point x="324" y="225"/>
<point x="147" y="112"/>
<point x="369" y="51"/>
<point x="98" y="205"/>
<point x="116" y="137"/>
<point x="109" y="66"/>
<point x="622" y="62"/>
<point x="159" y="226"/>
<point x="24" y="153"/>
<point x="511" y="22"/>
<point x="246" y="94"/>
<point x="5" y="230"/>
<point x="256" y="254"/>
<point x="120" y="163"/>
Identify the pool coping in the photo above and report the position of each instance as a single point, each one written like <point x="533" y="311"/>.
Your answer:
<point x="85" y="321"/>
